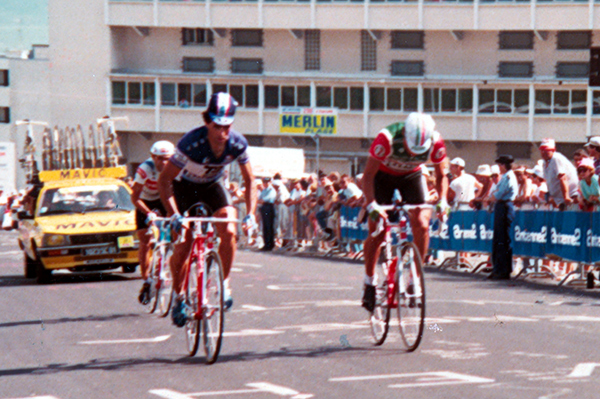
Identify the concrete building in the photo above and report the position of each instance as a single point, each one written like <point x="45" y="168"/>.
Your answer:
<point x="496" y="76"/>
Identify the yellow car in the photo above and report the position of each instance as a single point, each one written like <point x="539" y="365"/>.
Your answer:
<point x="79" y="224"/>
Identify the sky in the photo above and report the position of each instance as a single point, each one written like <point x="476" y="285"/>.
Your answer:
<point x="23" y="23"/>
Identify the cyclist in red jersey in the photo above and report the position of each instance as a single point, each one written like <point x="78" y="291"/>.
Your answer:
<point x="394" y="163"/>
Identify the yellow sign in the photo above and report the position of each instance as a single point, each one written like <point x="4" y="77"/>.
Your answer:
<point x="125" y="242"/>
<point x="75" y="174"/>
<point x="296" y="120"/>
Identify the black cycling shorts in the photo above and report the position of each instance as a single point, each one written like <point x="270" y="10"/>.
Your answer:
<point x="155" y="206"/>
<point x="412" y="187"/>
<point x="214" y="195"/>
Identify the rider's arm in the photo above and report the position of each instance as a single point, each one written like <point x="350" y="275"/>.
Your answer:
<point x="165" y="187"/>
<point x="368" y="179"/>
<point x="250" y="193"/>
<point x="135" y="198"/>
<point x="441" y="178"/>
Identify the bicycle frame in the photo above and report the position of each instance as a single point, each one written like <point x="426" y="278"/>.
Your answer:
<point x="201" y="244"/>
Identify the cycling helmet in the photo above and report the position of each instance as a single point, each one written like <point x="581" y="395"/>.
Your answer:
<point x="162" y="148"/>
<point x="418" y="133"/>
<point x="221" y="108"/>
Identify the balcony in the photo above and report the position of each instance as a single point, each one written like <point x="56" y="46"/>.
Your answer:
<point x="352" y="14"/>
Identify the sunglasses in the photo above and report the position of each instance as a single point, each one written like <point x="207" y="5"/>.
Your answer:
<point x="583" y="170"/>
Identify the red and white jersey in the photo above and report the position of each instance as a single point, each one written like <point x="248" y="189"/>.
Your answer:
<point x="147" y="176"/>
<point x="388" y="147"/>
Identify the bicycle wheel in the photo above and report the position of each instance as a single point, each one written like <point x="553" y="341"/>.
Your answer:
<point x="155" y="260"/>
<point x="380" y="318"/>
<point x="411" y="296"/>
<point x="164" y="292"/>
<point x="192" y="327"/>
<point x="212" y="309"/>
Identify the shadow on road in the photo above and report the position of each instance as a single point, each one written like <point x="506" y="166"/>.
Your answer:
<point x="67" y="278"/>
<point x="95" y="318"/>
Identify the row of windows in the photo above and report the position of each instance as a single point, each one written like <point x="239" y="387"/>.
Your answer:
<point x="406" y="99"/>
<point x="507" y="40"/>
<point x="361" y="1"/>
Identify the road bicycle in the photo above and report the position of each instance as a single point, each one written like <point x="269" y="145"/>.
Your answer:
<point x="203" y="287"/>
<point x="400" y="281"/>
<point x="161" y="287"/>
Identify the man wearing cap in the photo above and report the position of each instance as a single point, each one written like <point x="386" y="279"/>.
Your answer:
<point x="541" y="189"/>
<point x="560" y="175"/>
<point x="462" y="188"/>
<point x="267" y="199"/>
<point x="194" y="174"/>
<point x="588" y="185"/>
<point x="504" y="214"/>
<point x="593" y="148"/>
<point x="484" y="177"/>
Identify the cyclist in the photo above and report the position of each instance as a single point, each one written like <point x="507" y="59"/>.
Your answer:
<point x="394" y="163"/>
<point x="193" y="174"/>
<point x="146" y="199"/>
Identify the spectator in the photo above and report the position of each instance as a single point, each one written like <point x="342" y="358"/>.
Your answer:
<point x="349" y="193"/>
<point x="525" y="185"/>
<point x="267" y="199"/>
<point x="593" y="148"/>
<point x="495" y="176"/>
<point x="578" y="155"/>
<point x="462" y="188"/>
<point x="560" y="175"/>
<point x="504" y="214"/>
<point x="484" y="177"/>
<point x="588" y="185"/>
<point x="282" y="214"/>
<point x="541" y="189"/>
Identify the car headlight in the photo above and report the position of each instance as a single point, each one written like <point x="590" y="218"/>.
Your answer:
<point x="55" y="240"/>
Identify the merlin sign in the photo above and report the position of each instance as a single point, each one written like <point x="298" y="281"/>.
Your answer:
<point x="296" y="120"/>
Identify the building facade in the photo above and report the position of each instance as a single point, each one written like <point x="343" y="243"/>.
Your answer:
<point x="497" y="76"/>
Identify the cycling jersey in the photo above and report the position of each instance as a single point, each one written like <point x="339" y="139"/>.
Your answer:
<point x="197" y="161"/>
<point x="147" y="176"/>
<point x="388" y="147"/>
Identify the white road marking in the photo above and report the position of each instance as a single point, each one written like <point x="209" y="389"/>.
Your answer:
<point x="254" y="265"/>
<point x="252" y="308"/>
<point x="38" y="397"/>
<point x="15" y="253"/>
<point x="307" y="286"/>
<point x="583" y="370"/>
<point x="250" y="332"/>
<point x="325" y="327"/>
<point x="257" y="387"/>
<point x="561" y="318"/>
<point x="539" y="355"/>
<point x="154" y="340"/>
<point x="434" y="378"/>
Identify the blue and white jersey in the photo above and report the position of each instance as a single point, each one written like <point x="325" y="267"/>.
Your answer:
<point x="197" y="161"/>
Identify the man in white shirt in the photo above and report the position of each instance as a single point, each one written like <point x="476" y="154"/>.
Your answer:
<point x="463" y="186"/>
<point x="560" y="174"/>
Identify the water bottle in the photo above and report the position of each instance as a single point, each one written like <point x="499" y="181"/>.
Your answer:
<point x="403" y="229"/>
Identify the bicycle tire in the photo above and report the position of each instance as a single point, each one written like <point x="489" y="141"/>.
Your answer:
<point x="379" y="319"/>
<point x="192" y="326"/>
<point x="164" y="293"/>
<point x="153" y="272"/>
<point x="411" y="301"/>
<point x="212" y="311"/>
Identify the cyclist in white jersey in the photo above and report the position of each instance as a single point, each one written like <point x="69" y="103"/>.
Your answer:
<point x="146" y="199"/>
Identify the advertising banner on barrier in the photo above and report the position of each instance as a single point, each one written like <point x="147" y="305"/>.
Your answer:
<point x="530" y="233"/>
<point x="566" y="234"/>
<point x="592" y="238"/>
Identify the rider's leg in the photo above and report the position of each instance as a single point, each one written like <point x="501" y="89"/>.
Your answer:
<point x="372" y="248"/>
<point x="419" y="223"/>
<point x="178" y="261"/>
<point x="144" y="240"/>
<point x="226" y="232"/>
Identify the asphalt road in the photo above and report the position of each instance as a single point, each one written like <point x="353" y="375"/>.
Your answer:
<point x="296" y="331"/>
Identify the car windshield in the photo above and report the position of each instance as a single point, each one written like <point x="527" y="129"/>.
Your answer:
<point x="82" y="199"/>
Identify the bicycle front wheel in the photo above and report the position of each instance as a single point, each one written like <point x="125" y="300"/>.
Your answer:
<point x="212" y="309"/>
<point x="192" y="327"/>
<point x="380" y="318"/>
<point x="164" y="292"/>
<point x="154" y="275"/>
<point x="410" y="285"/>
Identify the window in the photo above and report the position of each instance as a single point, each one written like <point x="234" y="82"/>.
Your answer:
<point x="284" y="96"/>
<point x="394" y="99"/>
<point x="368" y="52"/>
<point x="148" y="93"/>
<point x="408" y="68"/>
<point x="271" y="96"/>
<point x="465" y="100"/>
<point x="196" y="36"/>
<point x="376" y="98"/>
<point x="3" y="77"/>
<point x="515" y="69"/>
<point x="503" y="101"/>
<point x="184" y="95"/>
<point x="516" y="40"/>
<point x="134" y="93"/>
<point x="408" y="39"/>
<point x="4" y="115"/>
<point x="596" y="102"/>
<point x="206" y="65"/>
<point x="245" y="95"/>
<point x="411" y="100"/>
<point x="246" y="65"/>
<point x="431" y="100"/>
<point x="486" y="101"/>
<point x="237" y="92"/>
<point x="168" y="94"/>
<point x="324" y="96"/>
<point x="556" y="102"/>
<point x="200" y="94"/>
<point x="118" y="93"/>
<point x="247" y="37"/>
<point x="251" y="96"/>
<point x="357" y="98"/>
<point x="288" y="96"/>
<point x="340" y="97"/>
<point x="572" y="69"/>
<point x="577" y="40"/>
<point x="303" y="96"/>
<point x="312" y="50"/>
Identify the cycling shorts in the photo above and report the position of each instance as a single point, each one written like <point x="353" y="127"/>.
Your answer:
<point x="412" y="188"/>
<point x="155" y="206"/>
<point x="214" y="195"/>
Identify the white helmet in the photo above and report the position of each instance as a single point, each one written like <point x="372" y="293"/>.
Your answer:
<point x="162" y="148"/>
<point x="418" y="133"/>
